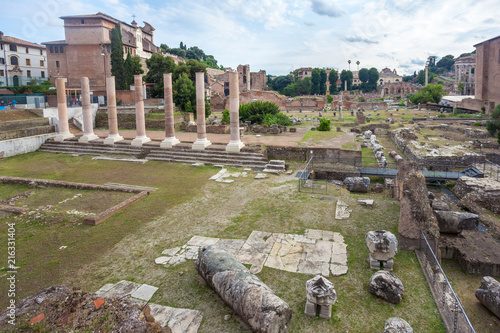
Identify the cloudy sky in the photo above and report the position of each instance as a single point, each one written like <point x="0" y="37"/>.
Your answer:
<point x="281" y="35"/>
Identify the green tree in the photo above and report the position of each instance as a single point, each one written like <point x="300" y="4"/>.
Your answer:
<point x="279" y="83"/>
<point x="157" y="66"/>
<point x="117" y="61"/>
<point x="329" y="98"/>
<point x="322" y="82"/>
<point x="346" y="76"/>
<point x="316" y="81"/>
<point x="430" y="93"/>
<point x="493" y="124"/>
<point x="226" y="117"/>
<point x="256" y="111"/>
<point x="324" y="125"/>
<point x="184" y="94"/>
<point x="278" y="119"/>
<point x="290" y="90"/>
<point x="132" y="67"/>
<point x="446" y="63"/>
<point x="421" y="77"/>
<point x="373" y="77"/>
<point x="333" y="77"/>
<point x="303" y="87"/>
<point x="364" y="75"/>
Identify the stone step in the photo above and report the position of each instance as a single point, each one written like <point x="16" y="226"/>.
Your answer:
<point x="209" y="156"/>
<point x="237" y="164"/>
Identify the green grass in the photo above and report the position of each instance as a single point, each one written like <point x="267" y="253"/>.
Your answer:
<point x="187" y="204"/>
<point x="315" y="137"/>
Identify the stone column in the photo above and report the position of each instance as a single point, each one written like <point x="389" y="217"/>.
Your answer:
<point x="170" y="139"/>
<point x="340" y="107"/>
<point x="201" y="142"/>
<point x="235" y="144"/>
<point x="426" y="75"/>
<point x="62" y="112"/>
<point x="88" y="126"/>
<point x="113" y="135"/>
<point x="140" y="122"/>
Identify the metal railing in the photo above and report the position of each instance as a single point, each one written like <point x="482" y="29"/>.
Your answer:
<point x="454" y="313"/>
<point x="311" y="185"/>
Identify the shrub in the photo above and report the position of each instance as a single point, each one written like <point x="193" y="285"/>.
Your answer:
<point x="256" y="111"/>
<point x="225" y="117"/>
<point x="278" y="119"/>
<point x="324" y="125"/>
<point x="362" y="99"/>
<point x="441" y="115"/>
<point x="483" y="109"/>
<point x="329" y="98"/>
<point x="478" y="123"/>
<point x="492" y="126"/>
<point x="402" y="103"/>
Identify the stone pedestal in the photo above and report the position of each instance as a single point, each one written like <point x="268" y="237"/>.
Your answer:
<point x="235" y="143"/>
<point x="88" y="127"/>
<point x="170" y="139"/>
<point x="201" y="141"/>
<point x="321" y="296"/>
<point x="113" y="135"/>
<point x="62" y="112"/>
<point x="140" y="122"/>
<point x="383" y="247"/>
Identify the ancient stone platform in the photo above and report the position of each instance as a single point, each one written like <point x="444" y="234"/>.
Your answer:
<point x="316" y="252"/>
<point x="179" y="320"/>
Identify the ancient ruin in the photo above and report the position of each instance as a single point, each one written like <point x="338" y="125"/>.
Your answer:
<point x="321" y="296"/>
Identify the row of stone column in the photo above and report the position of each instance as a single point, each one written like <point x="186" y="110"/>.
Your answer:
<point x="201" y="142"/>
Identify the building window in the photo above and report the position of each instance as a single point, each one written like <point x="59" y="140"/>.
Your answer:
<point x="2" y="73"/>
<point x="2" y="61"/>
<point x="27" y="50"/>
<point x="28" y="62"/>
<point x="83" y="21"/>
<point x="13" y="47"/>
<point x="1" y="46"/>
<point x="41" y="52"/>
<point x="61" y="50"/>
<point x="57" y="49"/>
<point x="14" y="61"/>
<point x="57" y="63"/>
<point x="108" y="48"/>
<point x="42" y="74"/>
<point x="42" y="63"/>
<point x="51" y="49"/>
<point x="28" y="73"/>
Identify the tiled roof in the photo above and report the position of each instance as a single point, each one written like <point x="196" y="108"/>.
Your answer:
<point x="58" y="42"/>
<point x="12" y="40"/>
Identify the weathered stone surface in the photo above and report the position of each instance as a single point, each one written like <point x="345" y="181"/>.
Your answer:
<point x="397" y="325"/>
<point x="477" y="252"/>
<point x="440" y="205"/>
<point x="367" y="135"/>
<point x="387" y="286"/>
<point x="416" y="213"/>
<point x="341" y="211"/>
<point x="382" y="244"/>
<point x="489" y="294"/>
<point x="357" y="184"/>
<point x="366" y="202"/>
<point x="484" y="192"/>
<point x="455" y="222"/>
<point x="249" y="297"/>
<point x="321" y="296"/>
<point x="360" y="117"/>
<point x="377" y="188"/>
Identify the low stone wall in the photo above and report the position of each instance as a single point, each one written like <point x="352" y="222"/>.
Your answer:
<point x="477" y="104"/>
<point x="59" y="183"/>
<point x="25" y="123"/>
<point x="26" y="132"/>
<point x="24" y="145"/>
<point x="96" y="219"/>
<point x="217" y="129"/>
<point x="333" y="174"/>
<point x="304" y="153"/>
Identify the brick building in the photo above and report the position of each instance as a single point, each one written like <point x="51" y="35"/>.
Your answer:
<point x="86" y="49"/>
<point x="487" y="73"/>
<point x="21" y="62"/>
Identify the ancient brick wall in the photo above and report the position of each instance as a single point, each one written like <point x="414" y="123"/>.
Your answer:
<point x="304" y="153"/>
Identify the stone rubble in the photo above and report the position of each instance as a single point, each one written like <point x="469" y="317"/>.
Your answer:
<point x="341" y="212"/>
<point x="316" y="252"/>
<point x="383" y="247"/>
<point x="321" y="296"/>
<point x="387" y="286"/>
<point x="397" y="325"/>
<point x="488" y="294"/>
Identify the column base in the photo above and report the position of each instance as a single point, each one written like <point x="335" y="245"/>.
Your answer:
<point x="139" y="141"/>
<point x="201" y="144"/>
<point x="112" y="138"/>
<point x="169" y="142"/>
<point x="63" y="136"/>
<point x="88" y="137"/>
<point x="234" y="146"/>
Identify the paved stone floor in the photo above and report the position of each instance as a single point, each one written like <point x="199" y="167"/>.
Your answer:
<point x="179" y="320"/>
<point x="316" y="252"/>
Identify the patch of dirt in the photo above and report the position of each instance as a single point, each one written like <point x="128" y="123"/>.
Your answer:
<point x="10" y="115"/>
<point x="59" y="309"/>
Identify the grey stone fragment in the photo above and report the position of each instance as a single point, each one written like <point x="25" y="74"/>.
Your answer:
<point x="489" y="294"/>
<point x="387" y="286"/>
<point x="357" y="184"/>
<point x="382" y="244"/>
<point x="397" y="325"/>
<point x="144" y="292"/>
<point x="440" y="205"/>
<point x="455" y="222"/>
